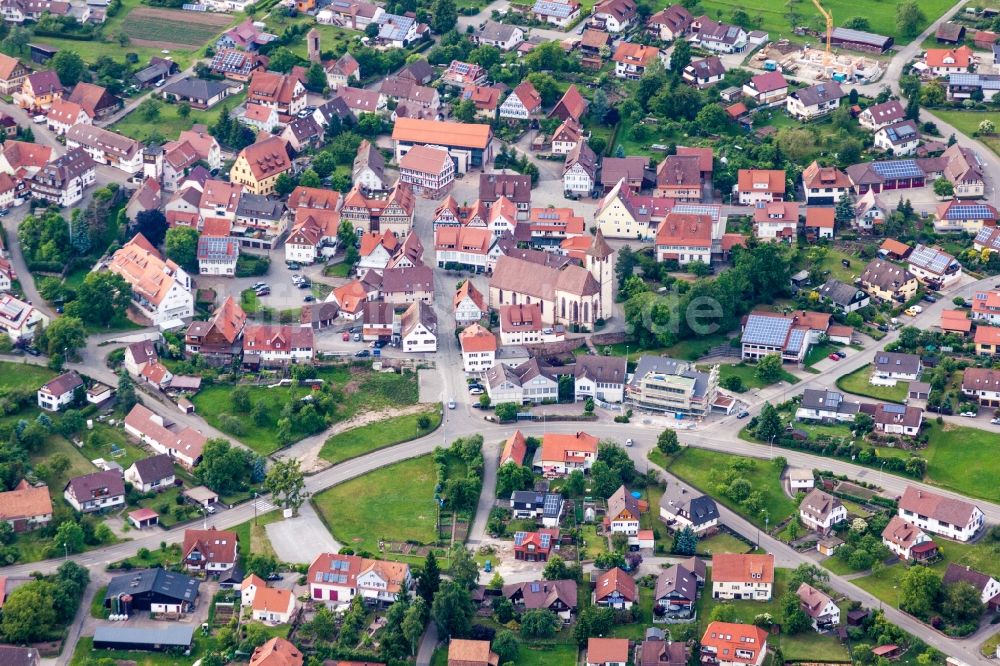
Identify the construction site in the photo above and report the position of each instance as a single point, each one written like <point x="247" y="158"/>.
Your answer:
<point x="815" y="65"/>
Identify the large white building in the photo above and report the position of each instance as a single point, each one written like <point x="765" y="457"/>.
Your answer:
<point x="937" y="514"/>
<point x="161" y="290"/>
<point x="740" y="576"/>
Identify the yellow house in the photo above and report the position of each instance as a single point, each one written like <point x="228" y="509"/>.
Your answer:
<point x="886" y="281"/>
<point x="619" y="216"/>
<point x="39" y="90"/>
<point x="987" y="340"/>
<point x="258" y="166"/>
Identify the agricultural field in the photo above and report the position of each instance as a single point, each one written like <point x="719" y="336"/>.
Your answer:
<point x="173" y="29"/>
<point x="774" y="17"/>
<point x="967" y="122"/>
<point x="964" y="460"/>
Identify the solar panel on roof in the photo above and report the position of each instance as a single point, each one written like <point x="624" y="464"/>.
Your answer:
<point x="894" y="409"/>
<point x="898" y="169"/>
<point x="519" y="538"/>
<point x="546" y="540"/>
<point x="970" y="211"/>
<point x="552" y="503"/>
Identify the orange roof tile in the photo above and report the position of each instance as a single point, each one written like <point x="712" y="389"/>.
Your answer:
<point x="475" y="338"/>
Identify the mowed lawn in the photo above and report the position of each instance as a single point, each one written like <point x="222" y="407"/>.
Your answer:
<point x="359" y="389"/>
<point x="748" y="373"/>
<point x="965" y="460"/>
<point x="394" y="502"/>
<point x="774" y="18"/>
<point x="858" y="384"/>
<point x="695" y="466"/>
<point x="359" y="441"/>
<point x="18" y="375"/>
<point x="169" y="123"/>
<point x="967" y="122"/>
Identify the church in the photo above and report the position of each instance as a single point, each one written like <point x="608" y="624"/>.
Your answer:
<point x="568" y="293"/>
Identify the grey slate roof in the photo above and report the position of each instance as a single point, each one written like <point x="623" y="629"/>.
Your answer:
<point x="670" y="366"/>
<point x="154" y="468"/>
<point x="676" y="579"/>
<point x="160" y="581"/>
<point x="195" y="88"/>
<point x="699" y="509"/>
<point x="170" y="635"/>
<point x="828" y="401"/>
<point x="840" y="293"/>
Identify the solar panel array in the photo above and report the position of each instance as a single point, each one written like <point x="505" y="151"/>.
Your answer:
<point x="548" y="216"/>
<point x="930" y="259"/>
<point x="771" y="331"/>
<point x="12" y="309"/>
<point x="894" y="409"/>
<point x="901" y="132"/>
<point x="552" y="505"/>
<point x="546" y="540"/>
<point x="795" y="340"/>
<point x="712" y="210"/>
<point x="519" y="538"/>
<point x="898" y="169"/>
<point x="971" y="211"/>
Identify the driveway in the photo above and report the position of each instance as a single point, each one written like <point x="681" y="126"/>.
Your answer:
<point x="302" y="538"/>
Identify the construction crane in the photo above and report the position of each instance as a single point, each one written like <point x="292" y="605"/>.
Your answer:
<point x="829" y="31"/>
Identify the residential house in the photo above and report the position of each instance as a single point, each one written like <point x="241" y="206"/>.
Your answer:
<point x="398" y="31"/>
<point x="820" y="511"/>
<point x="313" y="235"/>
<point x="827" y="406"/>
<point x="742" y="576"/>
<point x="39" y="90"/>
<point x="359" y="100"/>
<point x="245" y="35"/>
<point x="814" y="101"/>
<point x="529" y="504"/>
<point x="580" y="169"/>
<point x="429" y="170"/>
<point x="468" y="144"/>
<point x="556" y="596"/>
<point x="572" y="104"/>
<point x="217" y="255"/>
<point x="267" y="604"/>
<point x="161" y="290"/>
<point x="300" y="134"/>
<point x="64" y="114"/>
<point x="600" y="377"/>
<point x="531" y="381"/>
<point x="514" y="450"/>
<point x="12" y="75"/>
<point x="824" y="185"/>
<point x="676" y="586"/>
<point x="818" y="605"/>
<point x="608" y="651"/>
<point x="899" y="139"/>
<point x="967" y="216"/>
<point x="776" y="220"/>
<point x="622" y="516"/>
<point x="933" y="267"/>
<point x="616" y="589"/>
<point x="96" y="491"/>
<point x="564" y="453"/>
<point x="719" y="37"/>
<point x="679" y="177"/>
<point x="409" y="284"/>
<point x="25" y="508"/>
<point x="522" y="103"/>
<point x="210" y="550"/>
<point x="479" y="348"/>
<point x="411" y="95"/>
<point x="964" y="170"/>
<point x="844" y="297"/>
<point x="486" y="99"/>
<point x="418" y="330"/>
<point x="880" y="115"/>
<point x="96" y="100"/>
<point x="277" y="651"/>
<point x="260" y="221"/>
<point x="614" y="16"/>
<point x="670" y="23"/>
<point x="907" y="541"/>
<point x="503" y="36"/>
<point x="671" y="386"/>
<point x="819" y="223"/>
<point x="521" y="324"/>
<point x="469" y="304"/>
<point x="685" y="238"/>
<point x="987" y="586"/>
<point x="278" y="345"/>
<point x="893" y="419"/>
<point x="566" y="137"/>
<point x="64" y="180"/>
<point x="982" y="385"/>
<point x="886" y="281"/>
<point x="535" y="546"/>
<point x="462" y="652"/>
<point x="556" y="12"/>
<point x="634" y="170"/>
<point x="59" y="392"/>
<point x="986" y="307"/>
<point x="551" y="226"/>
<point x="258" y="166"/>
<point x="756" y="186"/>
<point x="704" y="72"/>
<point x="942" y="62"/>
<point x="217" y="340"/>
<point x="285" y="92"/>
<point x="19" y="319"/>
<point x="339" y="578"/>
<point x="151" y="474"/>
<point x="656" y="651"/>
<point x="770" y="88"/>
<point x="342" y="71"/>
<point x="789" y="336"/>
<point x="106" y="147"/>
<point x="987" y="340"/>
<point x="631" y="60"/>
<point x="956" y="321"/>
<point x="680" y="508"/>
<point x="369" y="167"/>
<point x="148" y="196"/>
<point x="185" y="445"/>
<point x="201" y="94"/>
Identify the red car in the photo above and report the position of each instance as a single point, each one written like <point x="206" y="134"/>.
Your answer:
<point x="833" y="357"/>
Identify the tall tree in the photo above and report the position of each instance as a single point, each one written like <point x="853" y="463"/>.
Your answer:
<point x="667" y="443"/>
<point x="68" y="66"/>
<point x="182" y="246"/>
<point x="464" y="569"/>
<point x="444" y="16"/>
<point x="768" y="423"/>
<point x="453" y="610"/>
<point x="102" y="298"/>
<point x="909" y="18"/>
<point x="286" y="483"/>
<point x="429" y="579"/>
<point x="64" y="336"/>
<point x="153" y="225"/>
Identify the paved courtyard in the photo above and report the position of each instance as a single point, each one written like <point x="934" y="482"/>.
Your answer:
<point x="302" y="538"/>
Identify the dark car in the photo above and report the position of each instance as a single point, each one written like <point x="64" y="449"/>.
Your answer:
<point x="364" y="353"/>
<point x="305" y="284"/>
<point x="883" y="328"/>
<point x="743" y="414"/>
<point x="841" y="354"/>
<point x="309" y="298"/>
<point x="929" y="299"/>
<point x="274" y="576"/>
<point x="33" y="351"/>
<point x="293" y="266"/>
<point x="381" y="343"/>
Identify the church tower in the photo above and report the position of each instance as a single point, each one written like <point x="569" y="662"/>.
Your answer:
<point x="599" y="260"/>
<point x="312" y="45"/>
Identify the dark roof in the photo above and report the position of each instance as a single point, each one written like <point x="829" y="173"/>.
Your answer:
<point x="159" y="581"/>
<point x="195" y="88"/>
<point x="18" y="656"/>
<point x="707" y="68"/>
<point x="840" y="293"/>
<point x="419" y="70"/>
<point x="610" y="369"/>
<point x="84" y="486"/>
<point x="64" y="383"/>
<point x="699" y="509"/>
<point x="820" y="93"/>
<point x="170" y="635"/>
<point x="154" y="468"/>
<point x="259" y="206"/>
<point x="514" y="186"/>
<point x="897" y="362"/>
<point x="677" y="579"/>
<point x="959" y="574"/>
<point x="543" y="593"/>
<point x="828" y="401"/>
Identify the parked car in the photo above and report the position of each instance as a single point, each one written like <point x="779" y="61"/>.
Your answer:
<point x="929" y="299"/>
<point x="346" y="337"/>
<point x="381" y="343"/>
<point x="294" y="265"/>
<point x="264" y="291"/>
<point x="995" y="421"/>
<point x="914" y="310"/>
<point x="970" y="415"/>
<point x="364" y="353"/>
<point x="39" y="120"/>
<point x="743" y="414"/>
<point x="357" y="337"/>
<point x="841" y="354"/>
<point x="259" y="285"/>
<point x="32" y="351"/>
<point x="451" y="404"/>
<point x="833" y="357"/>
<point x="305" y="284"/>
<point x="274" y="576"/>
<point x="476" y="391"/>
<point x="309" y="298"/>
<point x="629" y="442"/>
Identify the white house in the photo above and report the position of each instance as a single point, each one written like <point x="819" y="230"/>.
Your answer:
<point x="218" y="255"/>
<point x="900" y="537"/>
<point x="580" y="169"/>
<point x="278" y="344"/>
<point x="479" y="349"/>
<point x="469" y="304"/>
<point x="161" y="290"/>
<point x="152" y="473"/>
<point x="987" y="586"/>
<point x="337" y="579"/>
<point x="58" y="393"/>
<point x="819" y="607"/>
<point x="523" y="102"/>
<point x="19" y="319"/>
<point x="814" y="101"/>
<point x="800" y="479"/>
<point x="937" y="514"/>
<point x="899" y="138"/>
<point x="266" y="604"/>
<point x="184" y="445"/>
<point x="600" y="377"/>
<point x="742" y="576"/>
<point x="820" y="511"/>
<point x="622" y="516"/>
<point x="892" y="367"/>
<point x="95" y="492"/>
<point x="418" y="328"/>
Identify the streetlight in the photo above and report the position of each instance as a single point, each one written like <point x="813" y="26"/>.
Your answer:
<point x="880" y="467"/>
<point x="255" y="508"/>
<point x="65" y="551"/>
